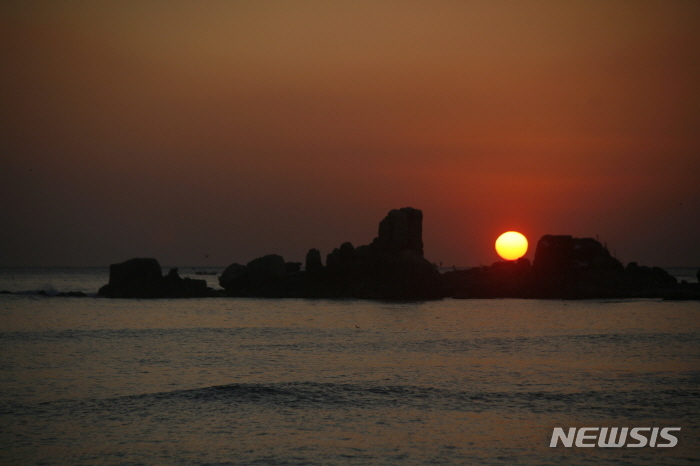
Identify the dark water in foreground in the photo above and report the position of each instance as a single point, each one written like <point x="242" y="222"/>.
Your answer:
<point x="255" y="381"/>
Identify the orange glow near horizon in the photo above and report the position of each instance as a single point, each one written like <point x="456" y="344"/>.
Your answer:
<point x="511" y="245"/>
<point x="242" y="129"/>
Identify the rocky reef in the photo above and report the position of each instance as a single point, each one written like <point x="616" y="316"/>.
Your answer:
<point x="567" y="268"/>
<point x="391" y="267"/>
<point x="143" y="278"/>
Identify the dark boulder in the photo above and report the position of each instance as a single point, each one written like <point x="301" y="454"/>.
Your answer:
<point x="662" y="277"/>
<point x="234" y="278"/>
<point x="248" y="280"/>
<point x="178" y="287"/>
<point x="232" y="272"/>
<point x="401" y="229"/>
<point x="135" y="278"/>
<point x="562" y="253"/>
<point x="340" y="261"/>
<point x="143" y="278"/>
<point x="135" y="272"/>
<point x="313" y="262"/>
<point x="266" y="268"/>
<point x="567" y="267"/>
<point x="643" y="277"/>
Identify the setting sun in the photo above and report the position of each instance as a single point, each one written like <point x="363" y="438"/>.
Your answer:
<point x="511" y="245"/>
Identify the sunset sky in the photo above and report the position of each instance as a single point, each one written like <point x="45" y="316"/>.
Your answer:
<point x="174" y="129"/>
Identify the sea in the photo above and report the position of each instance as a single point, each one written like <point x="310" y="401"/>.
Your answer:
<point x="247" y="381"/>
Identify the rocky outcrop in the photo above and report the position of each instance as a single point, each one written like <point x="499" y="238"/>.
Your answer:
<point x="341" y="260"/>
<point x="232" y="274"/>
<point x="175" y="286"/>
<point x="401" y="229"/>
<point x="313" y="265"/>
<point x="391" y="267"/>
<point x="266" y="268"/>
<point x="247" y="280"/>
<point x="135" y="278"/>
<point x="143" y="278"/>
<point x="643" y="277"/>
<point x="566" y="268"/>
<point x="563" y="253"/>
<point x="504" y="279"/>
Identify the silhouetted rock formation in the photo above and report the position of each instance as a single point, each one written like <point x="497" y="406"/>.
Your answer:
<point x="266" y="268"/>
<point x="143" y="278"/>
<point x="401" y="229"/>
<point x="642" y="277"/>
<point x="392" y="267"/>
<point x="563" y="253"/>
<point x="504" y="279"/>
<point x="568" y="268"/>
<point x="175" y="286"/>
<point x="245" y="280"/>
<point x="313" y="262"/>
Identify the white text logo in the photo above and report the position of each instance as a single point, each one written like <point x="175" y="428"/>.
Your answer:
<point x="615" y="437"/>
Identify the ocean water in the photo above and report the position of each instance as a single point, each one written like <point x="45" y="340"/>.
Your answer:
<point x="234" y="381"/>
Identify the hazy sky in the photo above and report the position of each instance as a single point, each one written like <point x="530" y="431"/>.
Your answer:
<point x="174" y="129"/>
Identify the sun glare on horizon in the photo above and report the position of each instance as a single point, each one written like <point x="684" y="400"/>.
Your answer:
<point x="511" y="245"/>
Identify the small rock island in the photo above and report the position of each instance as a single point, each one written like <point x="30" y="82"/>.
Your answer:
<point x="393" y="267"/>
<point x="143" y="278"/>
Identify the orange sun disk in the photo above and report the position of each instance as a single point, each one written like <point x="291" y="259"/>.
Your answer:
<point x="511" y="245"/>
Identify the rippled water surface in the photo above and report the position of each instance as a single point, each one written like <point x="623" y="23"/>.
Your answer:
<point x="256" y="381"/>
